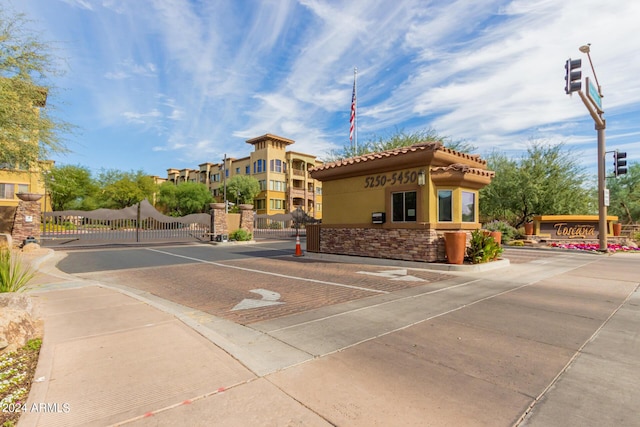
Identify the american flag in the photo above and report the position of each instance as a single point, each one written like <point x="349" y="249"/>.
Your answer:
<point x="353" y="112"/>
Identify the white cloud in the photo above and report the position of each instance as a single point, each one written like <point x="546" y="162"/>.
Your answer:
<point x="213" y="74"/>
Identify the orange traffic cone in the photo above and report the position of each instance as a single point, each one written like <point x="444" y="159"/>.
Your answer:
<point x="298" y="248"/>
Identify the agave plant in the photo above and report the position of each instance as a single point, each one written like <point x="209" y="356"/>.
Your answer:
<point x="13" y="274"/>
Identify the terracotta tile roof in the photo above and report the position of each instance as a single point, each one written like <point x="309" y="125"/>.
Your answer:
<point x="423" y="146"/>
<point x="458" y="167"/>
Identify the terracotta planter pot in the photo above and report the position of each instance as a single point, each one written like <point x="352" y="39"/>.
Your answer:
<point x="455" y="245"/>
<point x="617" y="229"/>
<point x="497" y="237"/>
<point x="528" y="229"/>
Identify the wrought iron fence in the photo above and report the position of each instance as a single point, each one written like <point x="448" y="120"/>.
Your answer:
<point x="136" y="223"/>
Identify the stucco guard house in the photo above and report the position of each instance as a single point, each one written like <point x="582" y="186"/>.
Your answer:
<point x="398" y="204"/>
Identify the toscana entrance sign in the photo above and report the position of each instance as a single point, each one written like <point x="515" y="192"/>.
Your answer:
<point x="571" y="226"/>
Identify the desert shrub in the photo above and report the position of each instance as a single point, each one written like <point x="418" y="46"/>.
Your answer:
<point x="508" y="232"/>
<point x="240" y="235"/>
<point x="275" y="225"/>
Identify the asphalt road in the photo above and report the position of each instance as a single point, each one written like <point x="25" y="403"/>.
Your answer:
<point x="549" y="340"/>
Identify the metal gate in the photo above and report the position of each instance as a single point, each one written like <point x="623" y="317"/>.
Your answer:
<point x="281" y="226"/>
<point x="139" y="223"/>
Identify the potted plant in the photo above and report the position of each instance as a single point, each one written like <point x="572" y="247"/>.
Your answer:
<point x="483" y="248"/>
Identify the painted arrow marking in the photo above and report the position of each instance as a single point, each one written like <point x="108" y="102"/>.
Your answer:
<point x="268" y="298"/>
<point x="398" y="274"/>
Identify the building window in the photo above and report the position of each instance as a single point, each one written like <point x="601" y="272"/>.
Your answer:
<point x="403" y="206"/>
<point x="318" y="207"/>
<point x="445" y="205"/>
<point x="277" y="185"/>
<point x="260" y="166"/>
<point x="318" y="190"/>
<point x="468" y="206"/>
<point x="247" y="170"/>
<point x="8" y="191"/>
<point x="276" y="165"/>
<point x="277" y="204"/>
<point x="259" y="203"/>
<point x="237" y="171"/>
<point x="263" y="184"/>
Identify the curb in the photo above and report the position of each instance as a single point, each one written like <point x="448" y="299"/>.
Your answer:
<point x="466" y="268"/>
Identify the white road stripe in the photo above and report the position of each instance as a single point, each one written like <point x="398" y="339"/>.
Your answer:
<point x="322" y="282"/>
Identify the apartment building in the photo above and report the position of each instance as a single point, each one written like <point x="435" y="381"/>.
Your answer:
<point x="283" y="175"/>
<point x="16" y="178"/>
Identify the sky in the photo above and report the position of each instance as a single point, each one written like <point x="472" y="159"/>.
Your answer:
<point x="158" y="84"/>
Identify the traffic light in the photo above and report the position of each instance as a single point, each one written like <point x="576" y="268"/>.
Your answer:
<point x="573" y="75"/>
<point x="619" y="164"/>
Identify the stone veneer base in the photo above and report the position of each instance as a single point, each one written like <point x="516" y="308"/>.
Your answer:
<point x="401" y="244"/>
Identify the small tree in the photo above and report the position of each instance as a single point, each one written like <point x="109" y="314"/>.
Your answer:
<point x="397" y="139"/>
<point x="121" y="189"/>
<point x="547" y="180"/>
<point x="25" y="64"/>
<point x="70" y="187"/>
<point x="183" y="199"/>
<point x="242" y="189"/>
<point x="625" y="195"/>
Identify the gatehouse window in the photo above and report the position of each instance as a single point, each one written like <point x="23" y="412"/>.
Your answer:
<point x="468" y="206"/>
<point x="403" y="206"/>
<point x="445" y="205"/>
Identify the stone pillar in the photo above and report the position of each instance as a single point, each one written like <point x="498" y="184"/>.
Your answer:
<point x="246" y="217"/>
<point x="27" y="220"/>
<point x="218" y="220"/>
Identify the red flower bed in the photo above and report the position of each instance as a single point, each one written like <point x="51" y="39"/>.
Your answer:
<point x="611" y="247"/>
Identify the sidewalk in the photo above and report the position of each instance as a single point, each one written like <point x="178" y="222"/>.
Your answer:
<point x="114" y="357"/>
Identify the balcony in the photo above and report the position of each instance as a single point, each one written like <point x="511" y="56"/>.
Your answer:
<point x="297" y="192"/>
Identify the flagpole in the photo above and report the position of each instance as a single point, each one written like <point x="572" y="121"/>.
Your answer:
<point x="353" y="126"/>
<point x="355" y="118"/>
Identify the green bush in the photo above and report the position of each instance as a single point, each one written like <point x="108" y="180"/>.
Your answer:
<point x="13" y="275"/>
<point x="240" y="235"/>
<point x="482" y="248"/>
<point x="508" y="232"/>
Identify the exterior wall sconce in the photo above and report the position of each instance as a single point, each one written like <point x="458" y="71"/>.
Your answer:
<point x="422" y="176"/>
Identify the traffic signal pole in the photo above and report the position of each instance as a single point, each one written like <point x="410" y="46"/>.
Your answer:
<point x="602" y="188"/>
<point x="573" y="84"/>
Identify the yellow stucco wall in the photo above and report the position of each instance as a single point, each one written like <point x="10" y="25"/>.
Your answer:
<point x="18" y="177"/>
<point x="354" y="199"/>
